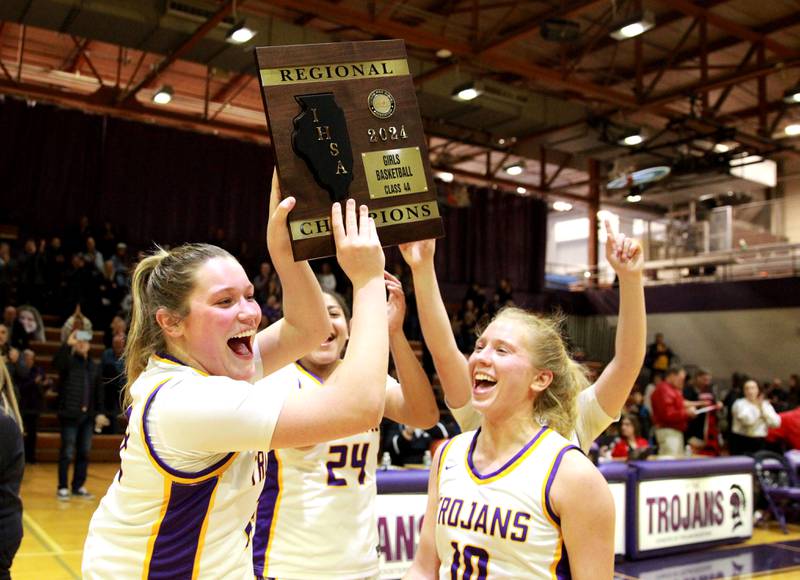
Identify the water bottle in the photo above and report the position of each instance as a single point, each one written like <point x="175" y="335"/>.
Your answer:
<point x="687" y="452"/>
<point x="386" y="461"/>
<point x="426" y="459"/>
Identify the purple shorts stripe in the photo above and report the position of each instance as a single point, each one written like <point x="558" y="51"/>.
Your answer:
<point x="265" y="514"/>
<point x="550" y="479"/>
<point x="180" y="535"/>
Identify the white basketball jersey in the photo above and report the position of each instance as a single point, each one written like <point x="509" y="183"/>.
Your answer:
<point x="501" y="524"/>
<point x="158" y="522"/>
<point x="316" y="516"/>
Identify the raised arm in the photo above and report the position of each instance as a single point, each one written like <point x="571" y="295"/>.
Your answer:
<point x="617" y="379"/>
<point x="451" y="366"/>
<point x="353" y="398"/>
<point x="305" y="319"/>
<point x="412" y="402"/>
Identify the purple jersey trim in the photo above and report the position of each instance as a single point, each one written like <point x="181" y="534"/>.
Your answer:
<point x="169" y="357"/>
<point x="562" y="568"/>
<point x="265" y="514"/>
<point x="154" y="455"/>
<point x="550" y="480"/>
<point x="305" y="370"/>
<point x="179" y="535"/>
<point x="508" y="463"/>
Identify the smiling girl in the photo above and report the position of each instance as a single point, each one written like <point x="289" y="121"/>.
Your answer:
<point x="193" y="460"/>
<point x="515" y="499"/>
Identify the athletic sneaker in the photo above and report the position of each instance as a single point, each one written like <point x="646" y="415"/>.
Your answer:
<point x="83" y="493"/>
<point x="63" y="494"/>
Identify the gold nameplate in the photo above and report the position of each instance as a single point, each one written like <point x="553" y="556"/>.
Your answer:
<point x="387" y="216"/>
<point x="394" y="172"/>
<point x="346" y="71"/>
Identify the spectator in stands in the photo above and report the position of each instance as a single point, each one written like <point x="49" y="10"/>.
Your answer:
<point x="5" y="345"/>
<point x="30" y="327"/>
<point x="777" y="395"/>
<point x="752" y="417"/>
<point x="476" y="294"/>
<point x="83" y="286"/>
<point x="408" y="445"/>
<point x="11" y="322"/>
<point x="120" y="260"/>
<point x="630" y="438"/>
<point x="261" y="282"/>
<point x="504" y="292"/>
<point x="326" y="277"/>
<point x="107" y="240"/>
<point x="93" y="256"/>
<point x="31" y="278"/>
<point x="32" y="383"/>
<point x="635" y="406"/>
<point x="7" y="272"/>
<point x="118" y="325"/>
<point x="75" y="238"/>
<point x="77" y="321"/>
<point x="659" y="356"/>
<point x="80" y="396"/>
<point x="113" y="379"/>
<point x="272" y="309"/>
<point x="702" y="432"/>
<point x="788" y="432"/>
<point x="793" y="388"/>
<point x="12" y="465"/>
<point x="670" y="415"/>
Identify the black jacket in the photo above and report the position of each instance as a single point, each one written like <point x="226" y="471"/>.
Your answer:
<point x="12" y="464"/>
<point x="75" y="371"/>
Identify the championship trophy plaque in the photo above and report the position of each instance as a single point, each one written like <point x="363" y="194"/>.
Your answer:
<point x="345" y="124"/>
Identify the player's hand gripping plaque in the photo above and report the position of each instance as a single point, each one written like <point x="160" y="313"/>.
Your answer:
<point x="345" y="124"/>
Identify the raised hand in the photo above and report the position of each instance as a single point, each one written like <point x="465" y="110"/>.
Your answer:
<point x="624" y="254"/>
<point x="418" y="253"/>
<point x="278" y="242"/>
<point x="396" y="307"/>
<point x="358" y="248"/>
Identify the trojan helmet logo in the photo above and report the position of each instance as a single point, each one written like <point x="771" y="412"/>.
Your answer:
<point x="738" y="505"/>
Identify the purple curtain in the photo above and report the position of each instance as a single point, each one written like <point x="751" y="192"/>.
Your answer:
<point x="154" y="183"/>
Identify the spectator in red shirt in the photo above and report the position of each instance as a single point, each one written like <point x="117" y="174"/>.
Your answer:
<point x="670" y="414"/>
<point x="629" y="438"/>
<point x="788" y="431"/>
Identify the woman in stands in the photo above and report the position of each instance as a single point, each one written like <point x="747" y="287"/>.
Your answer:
<point x="630" y="438"/>
<point x="598" y="405"/>
<point x="193" y="460"/>
<point x="316" y="517"/>
<point x="509" y="500"/>
<point x="752" y="415"/>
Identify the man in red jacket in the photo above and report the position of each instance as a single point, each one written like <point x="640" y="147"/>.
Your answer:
<point x="670" y="414"/>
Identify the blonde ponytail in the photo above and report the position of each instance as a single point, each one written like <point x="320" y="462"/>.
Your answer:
<point x="164" y="279"/>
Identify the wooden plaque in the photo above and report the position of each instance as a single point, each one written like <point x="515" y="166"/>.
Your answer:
<point x="345" y="124"/>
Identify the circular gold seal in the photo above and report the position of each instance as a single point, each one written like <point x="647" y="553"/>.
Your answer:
<point x="381" y="103"/>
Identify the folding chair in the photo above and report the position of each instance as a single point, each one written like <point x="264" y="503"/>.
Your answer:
<point x="778" y="484"/>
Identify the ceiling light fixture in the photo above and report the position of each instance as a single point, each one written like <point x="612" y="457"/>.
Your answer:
<point x="445" y="176"/>
<point x="632" y="139"/>
<point x="467" y="92"/>
<point x="240" y="33"/>
<point x="792" y="130"/>
<point x="634" y="198"/>
<point x="562" y="206"/>
<point x="163" y="95"/>
<point x="634" y="26"/>
<point x="515" y="168"/>
<point x="792" y="96"/>
<point x="444" y="53"/>
<point x="521" y="190"/>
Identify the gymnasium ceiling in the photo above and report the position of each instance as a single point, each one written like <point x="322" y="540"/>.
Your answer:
<point x="709" y="72"/>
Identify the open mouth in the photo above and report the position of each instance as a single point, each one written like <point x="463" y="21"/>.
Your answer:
<point x="482" y="383"/>
<point x="329" y="340"/>
<point x="242" y="343"/>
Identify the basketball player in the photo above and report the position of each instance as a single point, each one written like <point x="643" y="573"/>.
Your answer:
<point x="313" y="491"/>
<point x="515" y="499"/>
<point x="599" y="405"/>
<point x="191" y="473"/>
